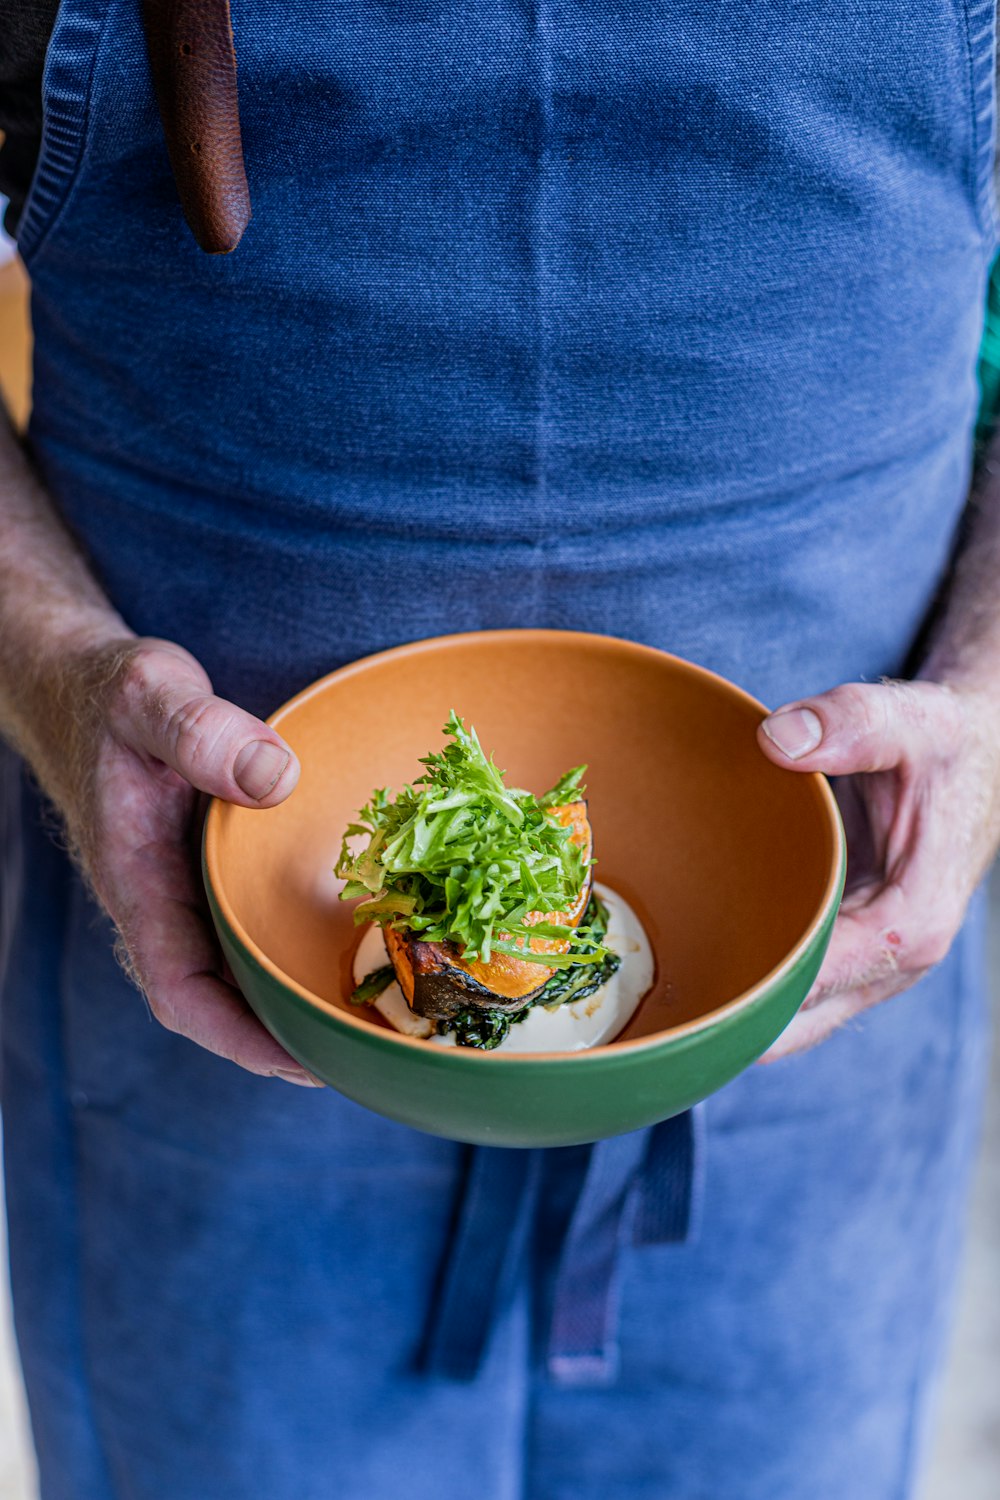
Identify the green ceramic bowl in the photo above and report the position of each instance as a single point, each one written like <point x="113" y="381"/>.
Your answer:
<point x="735" y="866"/>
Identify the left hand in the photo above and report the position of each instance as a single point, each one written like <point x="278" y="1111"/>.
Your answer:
<point x="920" y="800"/>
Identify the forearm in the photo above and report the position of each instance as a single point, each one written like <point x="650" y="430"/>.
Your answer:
<point x="52" y="613"/>
<point x="964" y="649"/>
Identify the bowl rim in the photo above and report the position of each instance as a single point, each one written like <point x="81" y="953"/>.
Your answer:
<point x="829" y="901"/>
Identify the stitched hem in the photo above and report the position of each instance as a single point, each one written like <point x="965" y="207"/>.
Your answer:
<point x="980" y="17"/>
<point x="66" y="88"/>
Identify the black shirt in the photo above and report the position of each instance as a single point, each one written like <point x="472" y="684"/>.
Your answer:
<point x="25" y="28"/>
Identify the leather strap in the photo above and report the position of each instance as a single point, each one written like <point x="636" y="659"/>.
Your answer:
<point x="190" y="45"/>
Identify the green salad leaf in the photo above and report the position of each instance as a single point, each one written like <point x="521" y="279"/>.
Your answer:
<point x="460" y="857"/>
<point x="583" y="979"/>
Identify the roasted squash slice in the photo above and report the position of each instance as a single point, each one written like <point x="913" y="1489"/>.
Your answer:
<point x="436" y="980"/>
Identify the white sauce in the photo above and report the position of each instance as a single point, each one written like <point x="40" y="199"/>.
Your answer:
<point x="566" y="1028"/>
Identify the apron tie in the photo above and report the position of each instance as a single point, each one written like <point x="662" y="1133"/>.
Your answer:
<point x="583" y="1349"/>
<point x="482" y="1253"/>
<point x="673" y="1181"/>
<point x="643" y="1188"/>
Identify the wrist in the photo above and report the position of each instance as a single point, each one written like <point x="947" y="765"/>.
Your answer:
<point x="76" y="640"/>
<point x="53" y="665"/>
<point x="43" y="648"/>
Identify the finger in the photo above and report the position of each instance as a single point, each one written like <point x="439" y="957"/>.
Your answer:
<point x="865" y="945"/>
<point x="887" y="942"/>
<point x="808" y="1028"/>
<point x="865" y="842"/>
<point x="862" y="727"/>
<point x="905" y="921"/>
<point x="166" y="710"/>
<point x="172" y="954"/>
<point x="862" y="967"/>
<point x="890" y="938"/>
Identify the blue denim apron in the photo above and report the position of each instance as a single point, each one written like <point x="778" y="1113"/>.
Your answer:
<point x="657" y="320"/>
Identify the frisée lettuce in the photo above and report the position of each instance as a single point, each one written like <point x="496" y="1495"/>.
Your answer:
<point x="460" y="857"/>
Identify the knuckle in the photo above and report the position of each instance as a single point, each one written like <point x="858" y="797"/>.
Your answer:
<point x="145" y="682"/>
<point x="136" y="677"/>
<point x="856" y="706"/>
<point x="162" y="1008"/>
<point x="135" y="692"/>
<point x="195" y="730"/>
<point x="164" y="1014"/>
<point x="934" y="715"/>
<point x="952" y="721"/>
<point x="937" y="711"/>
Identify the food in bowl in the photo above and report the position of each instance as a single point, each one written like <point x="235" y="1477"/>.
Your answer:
<point x="734" y="864"/>
<point x="485" y="928"/>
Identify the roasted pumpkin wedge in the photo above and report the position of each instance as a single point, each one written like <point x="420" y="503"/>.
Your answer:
<point x="436" y="980"/>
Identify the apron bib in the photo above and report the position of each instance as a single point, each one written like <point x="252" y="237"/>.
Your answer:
<point x="660" y="322"/>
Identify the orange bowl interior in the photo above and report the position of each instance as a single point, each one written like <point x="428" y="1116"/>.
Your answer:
<point x="729" y="860"/>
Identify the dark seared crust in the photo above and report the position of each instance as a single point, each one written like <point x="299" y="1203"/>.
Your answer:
<point x="441" y="989"/>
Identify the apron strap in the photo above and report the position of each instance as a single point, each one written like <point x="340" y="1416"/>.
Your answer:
<point x="673" y="1181"/>
<point x="583" y="1347"/>
<point x="482" y="1253"/>
<point x="191" y="56"/>
<point x="645" y="1188"/>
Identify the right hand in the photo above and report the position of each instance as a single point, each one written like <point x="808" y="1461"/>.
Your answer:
<point x="140" y="735"/>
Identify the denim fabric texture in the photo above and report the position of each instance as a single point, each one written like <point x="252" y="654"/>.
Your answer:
<point x="657" y="320"/>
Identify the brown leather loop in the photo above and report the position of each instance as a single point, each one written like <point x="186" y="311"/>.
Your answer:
<point x="190" y="45"/>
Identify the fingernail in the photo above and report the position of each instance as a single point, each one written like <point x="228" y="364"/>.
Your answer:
<point x="795" y="732"/>
<point x="258" y="767"/>
<point x="298" y="1075"/>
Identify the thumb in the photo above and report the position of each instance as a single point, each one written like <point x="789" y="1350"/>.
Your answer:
<point x="856" y="727"/>
<point x="166" y="709"/>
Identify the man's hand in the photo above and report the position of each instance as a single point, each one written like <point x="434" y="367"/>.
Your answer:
<point x="124" y="734"/>
<point x="921" y="805"/>
<point x="142" y="735"/>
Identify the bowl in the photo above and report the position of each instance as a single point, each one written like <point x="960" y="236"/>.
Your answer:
<point x="735" y="866"/>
